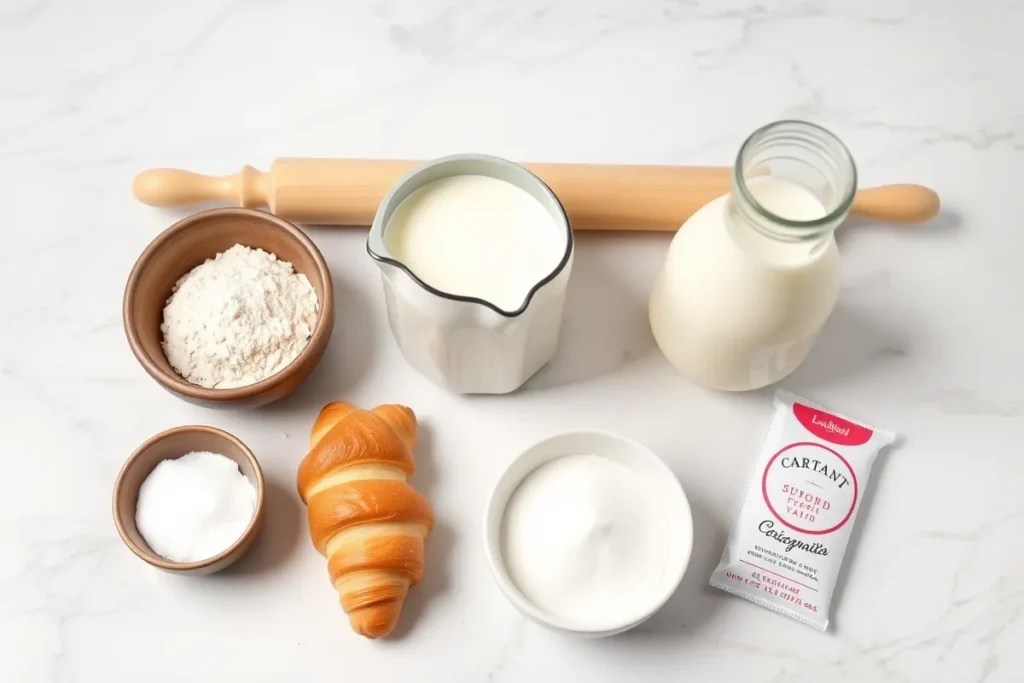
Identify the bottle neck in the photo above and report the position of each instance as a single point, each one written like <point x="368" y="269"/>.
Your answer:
<point x="793" y="184"/>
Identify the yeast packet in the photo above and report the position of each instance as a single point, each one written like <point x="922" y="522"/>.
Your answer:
<point x="787" y="544"/>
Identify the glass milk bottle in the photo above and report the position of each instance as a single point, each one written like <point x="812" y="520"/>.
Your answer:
<point x="752" y="277"/>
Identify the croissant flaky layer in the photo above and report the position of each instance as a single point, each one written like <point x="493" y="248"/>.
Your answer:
<point x="363" y="515"/>
<point x="344" y="436"/>
<point x="364" y="502"/>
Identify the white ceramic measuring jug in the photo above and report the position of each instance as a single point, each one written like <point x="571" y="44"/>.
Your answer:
<point x="463" y="343"/>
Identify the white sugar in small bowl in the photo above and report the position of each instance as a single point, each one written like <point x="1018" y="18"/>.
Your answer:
<point x="168" y="445"/>
<point x="657" y="478"/>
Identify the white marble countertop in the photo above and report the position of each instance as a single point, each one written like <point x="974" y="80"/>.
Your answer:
<point x="926" y="339"/>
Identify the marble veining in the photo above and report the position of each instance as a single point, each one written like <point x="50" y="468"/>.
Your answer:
<point x="926" y="339"/>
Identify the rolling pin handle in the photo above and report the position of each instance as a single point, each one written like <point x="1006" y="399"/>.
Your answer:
<point x="174" y="188"/>
<point x="253" y="188"/>
<point x="903" y="203"/>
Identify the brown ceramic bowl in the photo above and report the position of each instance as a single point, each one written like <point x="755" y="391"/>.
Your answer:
<point x="187" y="244"/>
<point x="171" y="444"/>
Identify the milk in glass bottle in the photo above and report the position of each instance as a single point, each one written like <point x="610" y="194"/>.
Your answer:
<point x="751" y="278"/>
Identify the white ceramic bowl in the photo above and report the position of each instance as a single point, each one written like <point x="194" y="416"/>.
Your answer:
<point x="661" y="481"/>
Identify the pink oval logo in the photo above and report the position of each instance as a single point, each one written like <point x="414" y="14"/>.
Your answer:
<point x="810" y="488"/>
<point x="831" y="428"/>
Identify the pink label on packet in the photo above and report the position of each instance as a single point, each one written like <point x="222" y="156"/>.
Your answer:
<point x="831" y="428"/>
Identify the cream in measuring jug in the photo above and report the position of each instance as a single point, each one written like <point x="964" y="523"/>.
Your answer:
<point x="476" y="236"/>
<point x="475" y="253"/>
<point x="751" y="278"/>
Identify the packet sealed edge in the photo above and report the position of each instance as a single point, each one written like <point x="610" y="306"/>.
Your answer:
<point x="786" y="546"/>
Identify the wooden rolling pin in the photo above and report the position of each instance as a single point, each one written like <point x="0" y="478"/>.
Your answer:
<point x="596" y="197"/>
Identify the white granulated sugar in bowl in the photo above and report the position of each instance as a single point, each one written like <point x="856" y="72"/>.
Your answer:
<point x="237" y="319"/>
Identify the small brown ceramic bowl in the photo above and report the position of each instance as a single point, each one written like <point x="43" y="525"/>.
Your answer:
<point x="168" y="445"/>
<point x="187" y="244"/>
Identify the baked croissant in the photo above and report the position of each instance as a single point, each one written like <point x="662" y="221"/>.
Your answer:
<point x="363" y="516"/>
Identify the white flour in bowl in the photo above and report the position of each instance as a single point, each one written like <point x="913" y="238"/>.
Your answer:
<point x="238" y="319"/>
